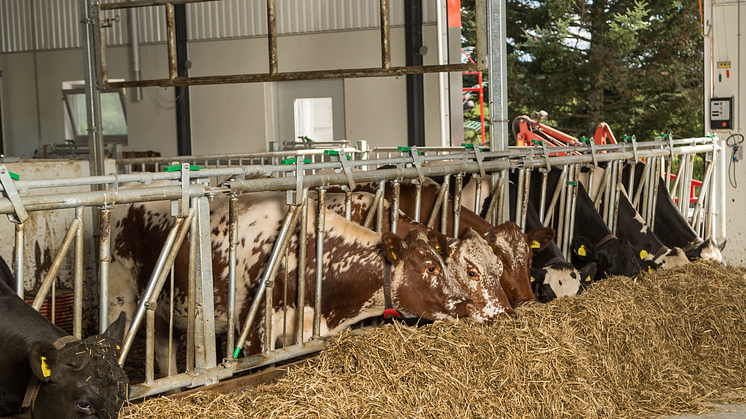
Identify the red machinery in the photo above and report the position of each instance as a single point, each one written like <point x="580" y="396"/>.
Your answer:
<point x="527" y="131"/>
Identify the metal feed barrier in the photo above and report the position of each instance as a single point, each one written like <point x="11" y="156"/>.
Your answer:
<point x="189" y="193"/>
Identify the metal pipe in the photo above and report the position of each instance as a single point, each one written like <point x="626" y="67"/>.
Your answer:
<point x="54" y="268"/>
<point x="444" y="211"/>
<point x="134" y="24"/>
<point x="703" y="194"/>
<point x="158" y="278"/>
<point x="555" y="197"/>
<point x="573" y="207"/>
<point x="104" y="259"/>
<point x="381" y="206"/>
<point x="617" y="196"/>
<point x="192" y="299"/>
<point x="543" y="200"/>
<point x="373" y="209"/>
<point x="395" y="198"/>
<point x="150" y="343"/>
<point x="494" y="199"/>
<point x="300" y="304"/>
<point x="19" y="251"/>
<point x="78" y="276"/>
<point x="320" y="228"/>
<point x="291" y="219"/>
<point x="272" y="36"/>
<point x="437" y="207"/>
<point x="503" y="193"/>
<point x="417" y="201"/>
<point x="348" y="204"/>
<point x="656" y="186"/>
<point x="519" y="196"/>
<point x="642" y="185"/>
<point x="173" y="71"/>
<point x="457" y="205"/>
<point x="601" y="189"/>
<point x="478" y="194"/>
<point x="524" y="206"/>
<point x="385" y="36"/>
<point x="232" y="261"/>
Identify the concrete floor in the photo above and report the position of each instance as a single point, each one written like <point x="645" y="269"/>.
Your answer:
<point x="724" y="412"/>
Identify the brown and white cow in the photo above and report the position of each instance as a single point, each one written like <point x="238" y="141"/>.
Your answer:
<point x="470" y="259"/>
<point x="355" y="263"/>
<point x="509" y="243"/>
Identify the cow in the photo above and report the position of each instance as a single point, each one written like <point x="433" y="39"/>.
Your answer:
<point x="52" y="373"/>
<point x="592" y="239"/>
<point x="471" y="260"/>
<point x="509" y="243"/>
<point x="356" y="263"/>
<point x="551" y="275"/>
<point x="672" y="228"/>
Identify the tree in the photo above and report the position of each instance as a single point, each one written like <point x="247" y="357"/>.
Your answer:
<point x="634" y="64"/>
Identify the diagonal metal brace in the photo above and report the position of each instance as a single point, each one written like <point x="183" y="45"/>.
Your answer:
<point x="11" y="193"/>
<point x="347" y="168"/>
<point x="480" y="159"/>
<point x="417" y="161"/>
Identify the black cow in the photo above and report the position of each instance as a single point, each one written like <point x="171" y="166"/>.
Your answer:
<point x="52" y="373"/>
<point x="592" y="240"/>
<point x="672" y="228"/>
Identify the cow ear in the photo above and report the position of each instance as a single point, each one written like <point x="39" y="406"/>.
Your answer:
<point x="583" y="248"/>
<point x="439" y="242"/>
<point x="540" y="238"/>
<point x="117" y="328"/>
<point x="588" y="273"/>
<point x="44" y="360"/>
<point x="721" y="245"/>
<point x="537" y="275"/>
<point x="393" y="247"/>
<point x="648" y="266"/>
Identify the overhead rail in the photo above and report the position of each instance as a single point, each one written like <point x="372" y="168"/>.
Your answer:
<point x="273" y="74"/>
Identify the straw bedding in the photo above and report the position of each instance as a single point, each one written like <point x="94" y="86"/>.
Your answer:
<point x="664" y="343"/>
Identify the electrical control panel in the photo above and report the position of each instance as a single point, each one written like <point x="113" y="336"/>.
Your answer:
<point x="721" y="113"/>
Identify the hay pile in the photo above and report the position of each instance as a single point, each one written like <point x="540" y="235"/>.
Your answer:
<point x="665" y="343"/>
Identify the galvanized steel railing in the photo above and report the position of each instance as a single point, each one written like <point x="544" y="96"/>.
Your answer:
<point x="189" y="195"/>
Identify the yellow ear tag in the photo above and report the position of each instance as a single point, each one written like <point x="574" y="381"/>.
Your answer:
<point x="493" y="250"/>
<point x="643" y="254"/>
<point x="118" y="347"/>
<point x="535" y="244"/>
<point x="650" y="269"/>
<point x="45" y="371"/>
<point x="588" y="278"/>
<point x="393" y="255"/>
<point x="533" y="279"/>
<point x="581" y="250"/>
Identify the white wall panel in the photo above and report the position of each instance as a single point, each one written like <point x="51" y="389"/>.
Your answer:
<point x="57" y="21"/>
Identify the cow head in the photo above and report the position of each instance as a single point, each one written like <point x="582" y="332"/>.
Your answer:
<point x="81" y="380"/>
<point x="614" y="256"/>
<point x="707" y="250"/>
<point x="669" y="258"/>
<point x="514" y="249"/>
<point x="560" y="279"/>
<point x="478" y="270"/>
<point x="421" y="286"/>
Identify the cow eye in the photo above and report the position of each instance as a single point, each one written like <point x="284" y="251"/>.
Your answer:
<point x="83" y="406"/>
<point x="433" y="270"/>
<point x="473" y="275"/>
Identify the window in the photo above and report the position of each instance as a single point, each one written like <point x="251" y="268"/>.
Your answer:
<point x="313" y="119"/>
<point x="113" y="114"/>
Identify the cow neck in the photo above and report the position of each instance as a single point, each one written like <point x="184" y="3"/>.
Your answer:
<point x="694" y="243"/>
<point x="34" y="384"/>
<point x="660" y="252"/>
<point x="605" y="239"/>
<point x="390" y="311"/>
<point x="554" y="260"/>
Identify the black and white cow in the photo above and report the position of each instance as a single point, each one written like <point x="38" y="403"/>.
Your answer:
<point x="52" y="373"/>
<point x="673" y="229"/>
<point x="592" y="240"/>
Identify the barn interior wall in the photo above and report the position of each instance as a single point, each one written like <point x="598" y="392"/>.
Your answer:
<point x="725" y="19"/>
<point x="225" y="119"/>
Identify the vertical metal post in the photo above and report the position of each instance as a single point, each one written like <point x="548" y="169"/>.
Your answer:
<point x="566" y="232"/>
<point x="104" y="258"/>
<point x="232" y="260"/>
<point x="543" y="200"/>
<point x="320" y="227"/>
<point x="498" y="80"/>
<point x="171" y="41"/>
<point x="272" y="36"/>
<point x="20" y="229"/>
<point x="302" y="255"/>
<point x="457" y="205"/>
<point x="619" y="172"/>
<point x="524" y="204"/>
<point x="205" y="314"/>
<point x="89" y="42"/>
<point x="519" y="196"/>
<point x="385" y="35"/>
<point x="192" y="297"/>
<point x="562" y="200"/>
<point x="573" y="207"/>
<point x="478" y="194"/>
<point x="656" y="185"/>
<point x="445" y="210"/>
<point x="78" y="276"/>
<point x="150" y="343"/>
<point x="381" y="209"/>
<point x="417" y="201"/>
<point x="395" y="197"/>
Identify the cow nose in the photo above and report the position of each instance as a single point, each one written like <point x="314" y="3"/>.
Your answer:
<point x="470" y="309"/>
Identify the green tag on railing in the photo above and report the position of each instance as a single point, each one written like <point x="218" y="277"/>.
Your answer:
<point x="572" y="182"/>
<point x="419" y="153"/>
<point x="335" y="153"/>
<point x="537" y="141"/>
<point x="177" y="167"/>
<point x="236" y="352"/>
<point x="467" y="145"/>
<point x="584" y="139"/>
<point x="13" y="175"/>
<point x="293" y="160"/>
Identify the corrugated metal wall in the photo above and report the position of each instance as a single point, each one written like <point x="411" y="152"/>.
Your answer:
<point x="57" y="21"/>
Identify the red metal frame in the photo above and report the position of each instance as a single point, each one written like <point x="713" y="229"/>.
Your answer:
<point x="530" y="131"/>
<point x="692" y="189"/>
<point x="479" y="89"/>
